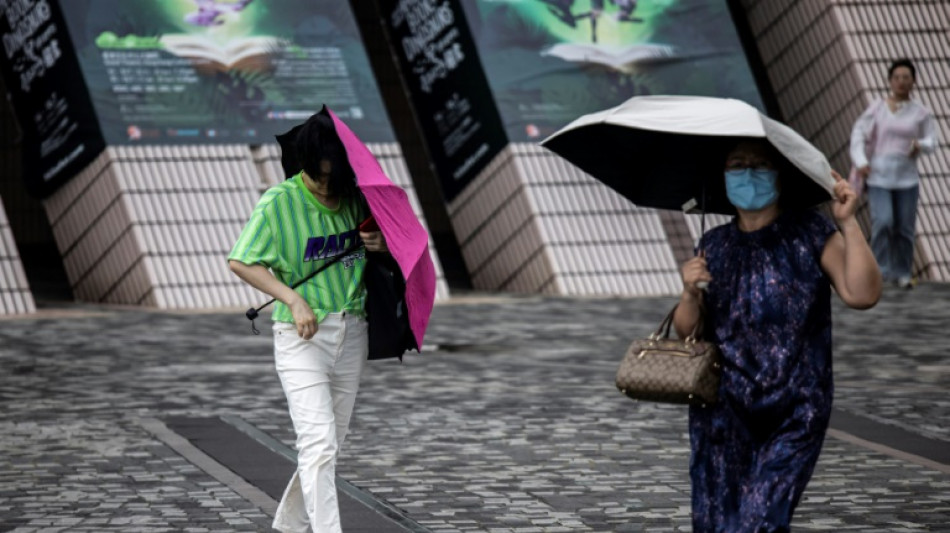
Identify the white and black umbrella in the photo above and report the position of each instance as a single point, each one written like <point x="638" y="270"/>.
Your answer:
<point x="663" y="151"/>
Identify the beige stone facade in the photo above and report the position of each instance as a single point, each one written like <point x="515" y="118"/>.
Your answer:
<point x="152" y="225"/>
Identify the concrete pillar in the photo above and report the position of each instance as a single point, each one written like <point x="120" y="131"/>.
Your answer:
<point x="530" y="222"/>
<point x="153" y="225"/>
<point x="15" y="295"/>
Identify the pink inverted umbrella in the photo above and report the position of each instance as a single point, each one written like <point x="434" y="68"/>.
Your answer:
<point x="407" y="240"/>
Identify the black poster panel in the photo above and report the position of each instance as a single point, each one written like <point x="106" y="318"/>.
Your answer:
<point x="447" y="86"/>
<point x="60" y="132"/>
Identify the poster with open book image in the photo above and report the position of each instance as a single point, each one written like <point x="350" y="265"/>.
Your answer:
<point x="550" y="61"/>
<point x="222" y="71"/>
<point x="245" y="54"/>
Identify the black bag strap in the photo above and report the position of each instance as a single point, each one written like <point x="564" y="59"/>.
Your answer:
<point x="253" y="312"/>
<point x="663" y="332"/>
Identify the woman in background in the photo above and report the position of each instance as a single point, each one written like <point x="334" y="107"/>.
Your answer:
<point x="885" y="143"/>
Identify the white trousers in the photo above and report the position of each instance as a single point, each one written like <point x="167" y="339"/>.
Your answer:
<point x="320" y="378"/>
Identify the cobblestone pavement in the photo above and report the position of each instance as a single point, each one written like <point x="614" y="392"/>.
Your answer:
<point x="508" y="422"/>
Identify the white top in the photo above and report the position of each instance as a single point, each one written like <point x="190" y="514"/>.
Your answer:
<point x="886" y="138"/>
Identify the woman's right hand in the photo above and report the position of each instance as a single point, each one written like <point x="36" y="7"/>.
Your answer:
<point x="304" y="318"/>
<point x="864" y="171"/>
<point x="694" y="273"/>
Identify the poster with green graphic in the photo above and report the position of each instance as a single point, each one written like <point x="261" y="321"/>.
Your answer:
<point x="551" y="61"/>
<point x="222" y="71"/>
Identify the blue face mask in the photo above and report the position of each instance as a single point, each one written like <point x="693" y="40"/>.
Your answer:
<point x="751" y="189"/>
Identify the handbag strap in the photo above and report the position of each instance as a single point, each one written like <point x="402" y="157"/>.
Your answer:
<point x="663" y="332"/>
<point x="252" y="313"/>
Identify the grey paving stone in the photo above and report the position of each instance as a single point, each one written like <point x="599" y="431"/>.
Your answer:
<point x="507" y="422"/>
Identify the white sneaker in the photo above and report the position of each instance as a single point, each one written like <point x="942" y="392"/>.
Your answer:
<point x="905" y="283"/>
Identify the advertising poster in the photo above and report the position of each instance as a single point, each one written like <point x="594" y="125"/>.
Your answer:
<point x="551" y="61"/>
<point x="60" y="132"/>
<point x="222" y="71"/>
<point x="447" y="87"/>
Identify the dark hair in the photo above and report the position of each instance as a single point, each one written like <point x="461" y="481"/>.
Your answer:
<point x="903" y="62"/>
<point x="317" y="140"/>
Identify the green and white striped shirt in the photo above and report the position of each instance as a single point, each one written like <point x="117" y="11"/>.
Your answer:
<point x="293" y="234"/>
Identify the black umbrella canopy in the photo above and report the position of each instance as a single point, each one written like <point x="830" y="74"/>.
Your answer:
<point x="666" y="170"/>
<point x="313" y="141"/>
<point x="288" y="155"/>
<point x="290" y="159"/>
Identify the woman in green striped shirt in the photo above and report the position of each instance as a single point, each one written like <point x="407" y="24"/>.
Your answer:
<point x="320" y="330"/>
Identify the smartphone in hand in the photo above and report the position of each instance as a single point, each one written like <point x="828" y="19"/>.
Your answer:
<point x="369" y="225"/>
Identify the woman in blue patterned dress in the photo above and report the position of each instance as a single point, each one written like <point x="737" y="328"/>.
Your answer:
<point x="769" y="275"/>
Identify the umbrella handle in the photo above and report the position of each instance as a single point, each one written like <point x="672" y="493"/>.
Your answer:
<point x="701" y="285"/>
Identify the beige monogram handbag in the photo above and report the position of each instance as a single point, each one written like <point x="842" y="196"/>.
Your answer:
<point x="661" y="369"/>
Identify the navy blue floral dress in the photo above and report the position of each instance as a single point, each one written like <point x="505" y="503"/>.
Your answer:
<point x="768" y="308"/>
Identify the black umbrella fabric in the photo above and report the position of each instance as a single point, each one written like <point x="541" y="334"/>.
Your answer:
<point x="288" y="155"/>
<point x="649" y="162"/>
<point x="330" y="146"/>
<point x="389" y="331"/>
<point x="669" y="159"/>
